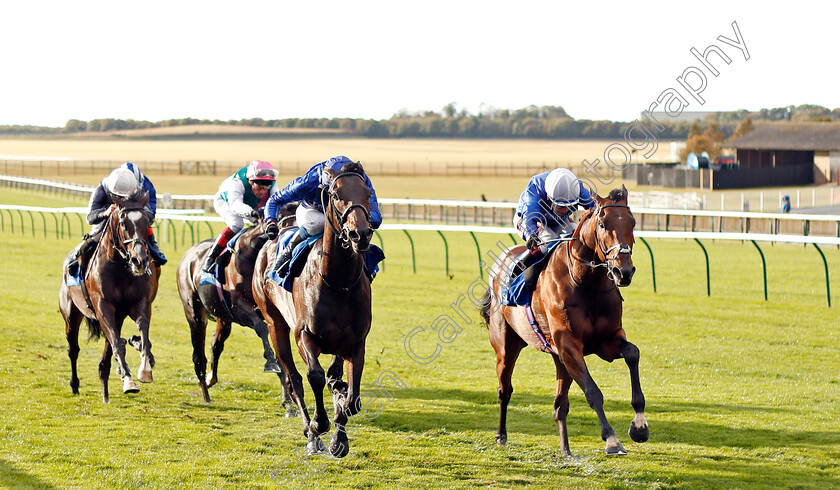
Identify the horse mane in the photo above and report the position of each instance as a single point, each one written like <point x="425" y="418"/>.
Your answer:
<point x="617" y="195"/>
<point x="353" y="167"/>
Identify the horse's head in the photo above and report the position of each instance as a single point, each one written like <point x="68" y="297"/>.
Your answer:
<point x="614" y="225"/>
<point x="348" y="209"/>
<point x="129" y="229"/>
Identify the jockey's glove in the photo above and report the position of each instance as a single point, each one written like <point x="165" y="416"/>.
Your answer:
<point x="254" y="215"/>
<point x="534" y="242"/>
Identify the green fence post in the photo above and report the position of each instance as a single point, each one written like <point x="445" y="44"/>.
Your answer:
<point x="827" y="285"/>
<point x="44" y="222"/>
<point x="174" y="233"/>
<point x="55" y="218"/>
<point x="478" y="249"/>
<point x="446" y="250"/>
<point x="763" y="268"/>
<point x="382" y="246"/>
<point x="513" y="238"/>
<point x="708" y="276"/>
<point x="413" y="259"/>
<point x="652" y="266"/>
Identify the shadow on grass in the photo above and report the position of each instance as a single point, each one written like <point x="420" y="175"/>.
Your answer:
<point x="431" y="410"/>
<point x="12" y="477"/>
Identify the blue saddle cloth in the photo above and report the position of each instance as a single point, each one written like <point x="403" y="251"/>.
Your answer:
<point x="74" y="279"/>
<point x="516" y="294"/>
<point x="373" y="257"/>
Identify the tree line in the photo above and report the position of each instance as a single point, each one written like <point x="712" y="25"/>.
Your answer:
<point x="547" y="122"/>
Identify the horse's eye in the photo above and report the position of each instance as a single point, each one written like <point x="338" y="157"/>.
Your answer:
<point x="601" y="225"/>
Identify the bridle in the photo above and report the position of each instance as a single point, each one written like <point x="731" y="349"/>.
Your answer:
<point x="619" y="248"/>
<point x="332" y="211"/>
<point x="332" y="214"/>
<point x="122" y="246"/>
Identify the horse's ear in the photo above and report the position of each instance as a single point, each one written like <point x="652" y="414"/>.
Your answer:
<point x="144" y="199"/>
<point x="118" y="200"/>
<point x="330" y="173"/>
<point x="624" y="193"/>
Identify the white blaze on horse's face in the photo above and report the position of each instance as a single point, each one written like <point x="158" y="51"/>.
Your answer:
<point x="135" y="228"/>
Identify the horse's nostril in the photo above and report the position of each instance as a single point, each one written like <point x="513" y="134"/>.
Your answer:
<point x="353" y="235"/>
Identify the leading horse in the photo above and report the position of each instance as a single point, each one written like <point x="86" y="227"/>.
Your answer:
<point x="577" y="310"/>
<point x="230" y="302"/>
<point x="121" y="281"/>
<point x="329" y="308"/>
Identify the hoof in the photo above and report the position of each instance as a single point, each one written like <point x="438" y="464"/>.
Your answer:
<point x="291" y="413"/>
<point x="272" y="367"/>
<point x="615" y="450"/>
<point x="144" y="376"/>
<point x="315" y="446"/>
<point x="129" y="386"/>
<point x="339" y="449"/>
<point x="637" y="434"/>
<point x="501" y="439"/>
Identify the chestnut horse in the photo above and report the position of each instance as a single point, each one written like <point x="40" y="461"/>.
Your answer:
<point x="121" y="281"/>
<point x="329" y="308"/>
<point x="578" y="311"/>
<point x="201" y="301"/>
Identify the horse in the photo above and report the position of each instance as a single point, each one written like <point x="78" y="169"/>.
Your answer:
<point x="329" y="308"/>
<point x="577" y="309"/>
<point x="203" y="301"/>
<point x="121" y="281"/>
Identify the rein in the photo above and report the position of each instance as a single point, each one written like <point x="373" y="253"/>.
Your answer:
<point x="621" y="248"/>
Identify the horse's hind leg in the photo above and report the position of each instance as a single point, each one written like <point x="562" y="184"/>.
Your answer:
<point x="73" y="320"/>
<point x="335" y="375"/>
<point x="561" y="405"/>
<point x="261" y="329"/>
<point x="639" y="431"/>
<point x="216" y="347"/>
<point x="105" y="370"/>
<point x="197" y="319"/>
<point x="507" y="345"/>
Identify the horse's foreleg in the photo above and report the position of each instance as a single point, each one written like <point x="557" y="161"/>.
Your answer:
<point x="317" y="380"/>
<point x="639" y="431"/>
<point x="111" y="329"/>
<point x="571" y="353"/>
<point x="216" y="348"/>
<point x="278" y="331"/>
<point x="335" y="375"/>
<point x="144" y="372"/>
<point x="561" y="405"/>
<point x="339" y="444"/>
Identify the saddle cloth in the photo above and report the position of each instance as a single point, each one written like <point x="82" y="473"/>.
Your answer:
<point x="516" y="294"/>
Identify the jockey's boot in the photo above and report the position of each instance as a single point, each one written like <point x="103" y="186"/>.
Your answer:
<point x="157" y="253"/>
<point x="525" y="260"/>
<point x="75" y="264"/>
<point x="281" y="266"/>
<point x="212" y="256"/>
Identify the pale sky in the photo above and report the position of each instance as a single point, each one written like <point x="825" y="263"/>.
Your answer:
<point x="156" y="60"/>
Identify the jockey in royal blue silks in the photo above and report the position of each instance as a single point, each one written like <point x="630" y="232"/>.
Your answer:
<point x="124" y="181"/>
<point x="545" y="212"/>
<point x="306" y="190"/>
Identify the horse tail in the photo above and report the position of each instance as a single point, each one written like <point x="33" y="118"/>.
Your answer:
<point x="484" y="308"/>
<point x="94" y="330"/>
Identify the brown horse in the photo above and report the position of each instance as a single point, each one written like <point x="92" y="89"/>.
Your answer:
<point x="329" y="308"/>
<point x="578" y="309"/>
<point x="201" y="301"/>
<point x="121" y="281"/>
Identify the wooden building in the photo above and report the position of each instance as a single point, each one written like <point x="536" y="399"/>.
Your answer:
<point x="780" y="145"/>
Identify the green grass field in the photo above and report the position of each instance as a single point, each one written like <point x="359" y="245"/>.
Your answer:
<point x="740" y="392"/>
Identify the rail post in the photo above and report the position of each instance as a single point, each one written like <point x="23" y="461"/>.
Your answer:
<point x="708" y="275"/>
<point x="652" y="266"/>
<point x="763" y="268"/>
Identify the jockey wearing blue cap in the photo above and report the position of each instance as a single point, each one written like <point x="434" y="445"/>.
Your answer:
<point x="310" y="217"/>
<point x="545" y="212"/>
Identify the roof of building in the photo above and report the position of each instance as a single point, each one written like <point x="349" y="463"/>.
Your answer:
<point x="790" y="136"/>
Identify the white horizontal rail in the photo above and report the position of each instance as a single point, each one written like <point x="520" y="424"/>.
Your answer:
<point x="486" y="204"/>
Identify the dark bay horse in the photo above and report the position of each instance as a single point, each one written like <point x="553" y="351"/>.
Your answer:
<point x="121" y="281"/>
<point x="203" y="301"/>
<point x="329" y="308"/>
<point x="578" y="309"/>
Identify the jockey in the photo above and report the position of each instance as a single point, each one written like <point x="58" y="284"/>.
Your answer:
<point x="123" y="181"/>
<point x="237" y="199"/>
<point x="545" y="212"/>
<point x="310" y="217"/>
